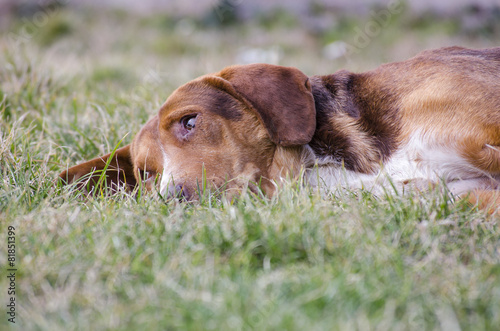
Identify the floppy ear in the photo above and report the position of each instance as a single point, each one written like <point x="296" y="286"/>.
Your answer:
<point x="282" y="98"/>
<point x="119" y="171"/>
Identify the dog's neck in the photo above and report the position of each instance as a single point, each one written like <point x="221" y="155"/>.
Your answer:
<point x="354" y="129"/>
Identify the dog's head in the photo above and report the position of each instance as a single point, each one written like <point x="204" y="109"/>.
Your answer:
<point x="225" y="128"/>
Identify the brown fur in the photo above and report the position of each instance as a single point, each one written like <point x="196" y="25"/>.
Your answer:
<point x="253" y="122"/>
<point x="118" y="171"/>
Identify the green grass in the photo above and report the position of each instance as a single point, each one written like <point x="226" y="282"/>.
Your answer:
<point x="297" y="261"/>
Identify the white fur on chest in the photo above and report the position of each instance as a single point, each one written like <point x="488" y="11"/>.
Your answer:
<point x="420" y="159"/>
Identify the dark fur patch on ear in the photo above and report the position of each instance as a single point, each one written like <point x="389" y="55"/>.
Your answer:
<point x="280" y="96"/>
<point x="220" y="101"/>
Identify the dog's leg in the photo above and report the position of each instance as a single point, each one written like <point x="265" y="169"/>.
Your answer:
<point x="488" y="200"/>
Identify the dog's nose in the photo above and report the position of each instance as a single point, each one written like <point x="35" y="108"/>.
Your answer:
<point x="177" y="191"/>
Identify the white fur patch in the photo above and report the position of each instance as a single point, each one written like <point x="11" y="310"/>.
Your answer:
<point x="166" y="177"/>
<point x="421" y="158"/>
<point x="424" y="157"/>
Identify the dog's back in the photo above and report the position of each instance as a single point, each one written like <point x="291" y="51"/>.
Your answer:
<point x="433" y="117"/>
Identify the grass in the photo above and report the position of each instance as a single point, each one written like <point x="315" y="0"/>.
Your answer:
<point x="344" y="261"/>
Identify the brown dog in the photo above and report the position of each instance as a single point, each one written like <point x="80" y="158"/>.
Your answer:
<point x="434" y="117"/>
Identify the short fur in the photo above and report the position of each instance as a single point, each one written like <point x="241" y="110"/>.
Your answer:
<point x="433" y="117"/>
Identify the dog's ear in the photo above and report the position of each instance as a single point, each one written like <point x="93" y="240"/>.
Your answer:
<point x="282" y="98"/>
<point x="113" y="173"/>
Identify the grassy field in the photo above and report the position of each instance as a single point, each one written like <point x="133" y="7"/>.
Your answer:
<point x="73" y="87"/>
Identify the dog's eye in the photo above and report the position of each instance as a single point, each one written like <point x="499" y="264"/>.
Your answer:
<point x="189" y="122"/>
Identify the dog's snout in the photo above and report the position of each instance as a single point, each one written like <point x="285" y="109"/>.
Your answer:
<point x="180" y="192"/>
<point x="176" y="191"/>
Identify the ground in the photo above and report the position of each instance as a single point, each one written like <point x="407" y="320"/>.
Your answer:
<point x="76" y="83"/>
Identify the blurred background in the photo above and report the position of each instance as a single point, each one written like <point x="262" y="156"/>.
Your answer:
<point x="142" y="50"/>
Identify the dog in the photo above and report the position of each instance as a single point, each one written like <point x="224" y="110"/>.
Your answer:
<point x="432" y="118"/>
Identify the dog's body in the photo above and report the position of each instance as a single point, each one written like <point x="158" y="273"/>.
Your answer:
<point x="435" y="117"/>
